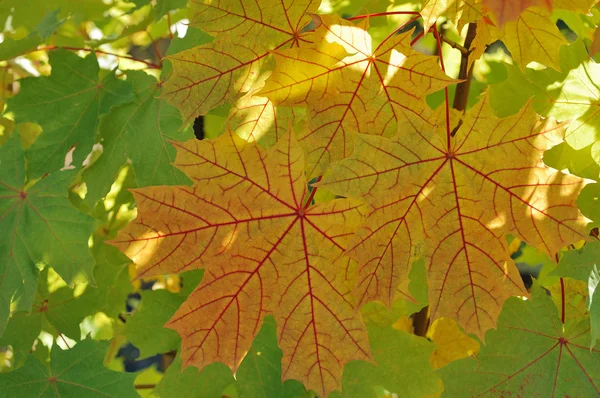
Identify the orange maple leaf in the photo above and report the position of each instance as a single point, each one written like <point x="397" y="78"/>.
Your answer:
<point x="453" y="200"/>
<point x="264" y="252"/>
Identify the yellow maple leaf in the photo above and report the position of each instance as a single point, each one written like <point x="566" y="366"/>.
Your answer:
<point x="580" y="6"/>
<point x="452" y="200"/>
<point x="209" y="75"/>
<point x="459" y="12"/>
<point x="265" y="252"/>
<point x="533" y="37"/>
<point x="350" y="87"/>
<point x="451" y="342"/>
<point x="575" y="294"/>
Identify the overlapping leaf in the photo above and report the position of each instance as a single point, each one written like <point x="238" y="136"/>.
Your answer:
<point x="578" y="264"/>
<point x="579" y="97"/>
<point x="264" y="252"/>
<point x="256" y="118"/>
<point x="145" y="329"/>
<point x="402" y="368"/>
<point x="533" y="37"/>
<point x="209" y="75"/>
<point x="350" y="87"/>
<point x="138" y="131"/>
<point x="509" y="10"/>
<point x="527" y="30"/>
<point x="531" y="352"/>
<point x="459" y="12"/>
<point x="452" y="200"/>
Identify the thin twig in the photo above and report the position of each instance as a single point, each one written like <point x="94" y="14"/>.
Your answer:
<point x="153" y="43"/>
<point x="465" y="51"/>
<point x="64" y="340"/>
<point x="382" y="14"/>
<point x="562" y="296"/>
<point x="169" y="23"/>
<point x="151" y="65"/>
<point x="312" y="194"/>
<point x="145" y="386"/>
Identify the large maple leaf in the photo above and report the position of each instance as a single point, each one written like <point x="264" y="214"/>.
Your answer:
<point x="349" y="87"/>
<point x="245" y="31"/>
<point x="264" y="252"/>
<point x="452" y="200"/>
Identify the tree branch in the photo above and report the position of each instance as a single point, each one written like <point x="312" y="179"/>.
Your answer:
<point x="466" y="74"/>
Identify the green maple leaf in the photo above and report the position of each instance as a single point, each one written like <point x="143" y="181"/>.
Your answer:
<point x="43" y="228"/>
<point x="11" y="48"/>
<point x="67" y="105"/>
<point x="112" y="282"/>
<point x="531" y="353"/>
<point x="544" y="85"/>
<point x="259" y="375"/>
<point x="402" y="367"/>
<point x="20" y="333"/>
<point x="588" y="201"/>
<point x="61" y="311"/>
<point x="577" y="264"/>
<point x="138" y="131"/>
<point x="579" y="162"/>
<point x="28" y="13"/>
<point x="191" y="383"/>
<point x="77" y="372"/>
<point x="164" y="6"/>
<point x="145" y="329"/>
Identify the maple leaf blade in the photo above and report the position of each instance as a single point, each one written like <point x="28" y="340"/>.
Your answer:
<point x="258" y="119"/>
<point x="264" y="253"/>
<point x="539" y="198"/>
<point x="442" y="203"/>
<point x="533" y="37"/>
